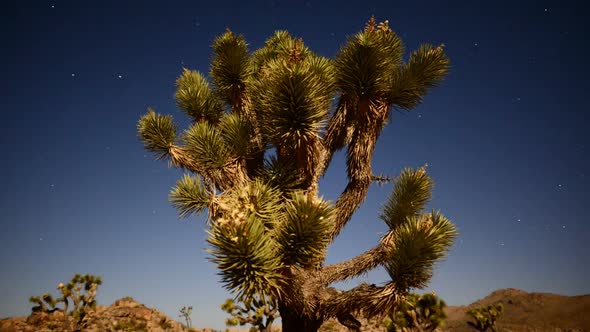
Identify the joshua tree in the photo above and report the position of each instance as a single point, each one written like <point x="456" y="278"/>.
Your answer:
<point x="485" y="318"/>
<point x="260" y="313"/>
<point x="263" y="133"/>
<point x="417" y="313"/>
<point x="81" y="290"/>
<point x="185" y="312"/>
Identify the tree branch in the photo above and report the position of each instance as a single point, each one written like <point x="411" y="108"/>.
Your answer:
<point x="226" y="177"/>
<point x="362" y="263"/>
<point x="371" y="300"/>
<point x="371" y="118"/>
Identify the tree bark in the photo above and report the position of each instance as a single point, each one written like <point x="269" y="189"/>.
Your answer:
<point x="293" y="322"/>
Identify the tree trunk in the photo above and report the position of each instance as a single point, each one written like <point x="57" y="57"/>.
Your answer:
<point x="293" y="322"/>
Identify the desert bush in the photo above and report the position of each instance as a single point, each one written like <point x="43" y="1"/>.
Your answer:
<point x="259" y="313"/>
<point x="417" y="313"/>
<point x="485" y="318"/>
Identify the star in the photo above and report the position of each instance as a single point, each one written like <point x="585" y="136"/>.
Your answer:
<point x="120" y="76"/>
<point x="517" y="98"/>
<point x="518" y="219"/>
<point x="52" y="6"/>
<point x="52" y="185"/>
<point x="546" y="10"/>
<point x="154" y="212"/>
<point x="563" y="226"/>
<point x="197" y="24"/>
<point x="73" y="74"/>
<point x="419" y="116"/>
<point x="475" y="44"/>
<point x="108" y="148"/>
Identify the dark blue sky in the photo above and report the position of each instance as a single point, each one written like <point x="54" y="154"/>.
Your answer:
<point x="505" y="136"/>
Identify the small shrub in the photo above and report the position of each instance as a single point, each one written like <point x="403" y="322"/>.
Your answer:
<point x="185" y="312"/>
<point x="417" y="313"/>
<point x="135" y="326"/>
<point x="485" y="317"/>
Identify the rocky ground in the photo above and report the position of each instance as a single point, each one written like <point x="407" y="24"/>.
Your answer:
<point x="123" y="315"/>
<point x="523" y="312"/>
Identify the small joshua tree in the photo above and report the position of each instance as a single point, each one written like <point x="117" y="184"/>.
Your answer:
<point x="185" y="312"/>
<point x="259" y="313"/>
<point x="485" y="318"/>
<point x="81" y="291"/>
<point x="417" y="313"/>
<point x="265" y="127"/>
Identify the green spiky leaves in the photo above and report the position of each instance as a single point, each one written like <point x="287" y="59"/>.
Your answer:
<point x="229" y="66"/>
<point x="157" y="132"/>
<point x="206" y="145"/>
<point x="294" y="100"/>
<point x="409" y="197"/>
<point x="237" y="132"/>
<point x="426" y="68"/>
<point x="246" y="258"/>
<point x="419" y="243"/>
<point x="195" y="98"/>
<point x="365" y="63"/>
<point x="419" y="240"/>
<point x="189" y="196"/>
<point x="292" y="90"/>
<point x="303" y="236"/>
<point x="280" y="174"/>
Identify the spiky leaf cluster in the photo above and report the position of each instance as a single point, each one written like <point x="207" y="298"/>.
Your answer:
<point x="247" y="260"/>
<point x="230" y="66"/>
<point x="189" y="196"/>
<point x="426" y="68"/>
<point x="418" y="239"/>
<point x="419" y="243"/>
<point x="367" y="61"/>
<point x="157" y="132"/>
<point x="195" y="97"/>
<point x="237" y="132"/>
<point x="303" y="236"/>
<point x="292" y="93"/>
<point x="408" y="198"/>
<point x="205" y="143"/>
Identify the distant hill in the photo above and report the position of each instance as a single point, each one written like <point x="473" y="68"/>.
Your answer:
<point x="530" y="312"/>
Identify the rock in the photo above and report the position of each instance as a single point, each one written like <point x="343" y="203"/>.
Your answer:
<point x="123" y="315"/>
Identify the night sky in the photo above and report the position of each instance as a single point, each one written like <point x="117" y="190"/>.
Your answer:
<point x="505" y="137"/>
